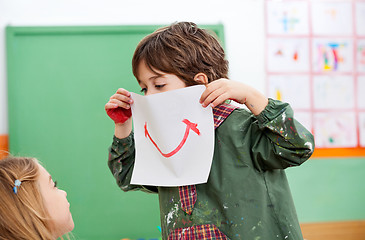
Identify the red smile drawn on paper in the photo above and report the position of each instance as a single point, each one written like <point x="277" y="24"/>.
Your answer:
<point x="189" y="125"/>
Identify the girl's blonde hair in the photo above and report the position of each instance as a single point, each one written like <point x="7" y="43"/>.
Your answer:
<point x="23" y="214"/>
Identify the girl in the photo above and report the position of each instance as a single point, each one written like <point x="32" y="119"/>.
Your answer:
<point x="32" y="207"/>
<point x="247" y="195"/>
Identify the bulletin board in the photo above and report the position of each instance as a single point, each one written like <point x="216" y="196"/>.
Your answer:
<point x="315" y="60"/>
<point x="59" y="79"/>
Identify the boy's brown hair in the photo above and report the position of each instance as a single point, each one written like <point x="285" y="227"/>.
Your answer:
<point x="182" y="49"/>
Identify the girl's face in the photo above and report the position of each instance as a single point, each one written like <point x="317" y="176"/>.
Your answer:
<point x="157" y="82"/>
<point x="56" y="204"/>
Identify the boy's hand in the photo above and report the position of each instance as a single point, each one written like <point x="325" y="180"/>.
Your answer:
<point x="220" y="90"/>
<point x="118" y="107"/>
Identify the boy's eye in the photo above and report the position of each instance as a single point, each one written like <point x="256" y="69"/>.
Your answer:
<point x="160" y="86"/>
<point x="55" y="184"/>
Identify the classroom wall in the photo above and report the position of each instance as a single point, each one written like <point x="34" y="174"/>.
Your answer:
<point x="243" y="21"/>
<point x="327" y="189"/>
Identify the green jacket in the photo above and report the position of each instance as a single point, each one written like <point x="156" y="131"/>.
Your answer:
<point x="247" y="195"/>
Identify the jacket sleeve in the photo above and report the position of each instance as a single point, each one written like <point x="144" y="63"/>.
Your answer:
<point x="121" y="163"/>
<point x="280" y="141"/>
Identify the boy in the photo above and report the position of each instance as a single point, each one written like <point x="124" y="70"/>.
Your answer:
<point x="247" y="195"/>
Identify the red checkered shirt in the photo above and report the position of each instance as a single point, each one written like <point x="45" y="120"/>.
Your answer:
<point x="207" y="231"/>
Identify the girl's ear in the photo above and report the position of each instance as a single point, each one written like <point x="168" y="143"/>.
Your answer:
<point x="201" y="78"/>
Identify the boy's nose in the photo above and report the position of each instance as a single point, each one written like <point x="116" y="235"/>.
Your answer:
<point x="150" y="92"/>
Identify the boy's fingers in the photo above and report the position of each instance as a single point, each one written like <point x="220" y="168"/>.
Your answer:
<point x="211" y="87"/>
<point x="120" y="103"/>
<point x="122" y="98"/>
<point x="219" y="100"/>
<point x="117" y="109"/>
<point x="124" y="92"/>
<point x="110" y="105"/>
<point x="212" y="97"/>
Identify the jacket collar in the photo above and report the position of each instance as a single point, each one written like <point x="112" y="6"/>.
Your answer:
<point x="221" y="112"/>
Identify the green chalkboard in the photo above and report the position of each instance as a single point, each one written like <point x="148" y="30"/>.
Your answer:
<point x="59" y="79"/>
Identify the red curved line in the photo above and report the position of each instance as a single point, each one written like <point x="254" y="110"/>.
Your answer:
<point x="167" y="155"/>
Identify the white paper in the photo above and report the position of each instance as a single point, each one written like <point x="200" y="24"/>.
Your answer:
<point x="168" y="152"/>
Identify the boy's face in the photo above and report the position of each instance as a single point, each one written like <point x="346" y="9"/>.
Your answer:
<point x="157" y="82"/>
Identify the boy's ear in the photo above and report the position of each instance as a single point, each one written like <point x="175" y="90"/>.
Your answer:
<point x="201" y="78"/>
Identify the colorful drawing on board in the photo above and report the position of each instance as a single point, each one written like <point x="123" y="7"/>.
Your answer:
<point x="321" y="70"/>
<point x="279" y="52"/>
<point x="287" y="18"/>
<point x="334" y="130"/>
<point x="294" y="89"/>
<point x="287" y="55"/>
<point x="332" y="56"/>
<point x="278" y="95"/>
<point x="288" y="22"/>
<point x="295" y="55"/>
<point x="329" y="63"/>
<point x="189" y="126"/>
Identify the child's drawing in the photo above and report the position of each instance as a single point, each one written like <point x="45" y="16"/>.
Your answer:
<point x="172" y="132"/>
<point x="189" y="126"/>
<point x="288" y="55"/>
<point x="335" y="130"/>
<point x="287" y="18"/>
<point x="293" y="89"/>
<point x="332" y="55"/>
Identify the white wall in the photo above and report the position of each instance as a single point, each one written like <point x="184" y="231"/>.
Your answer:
<point x="243" y="21"/>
